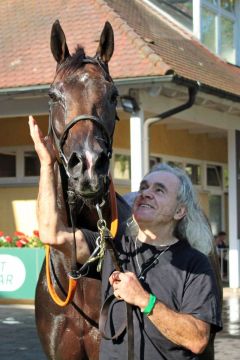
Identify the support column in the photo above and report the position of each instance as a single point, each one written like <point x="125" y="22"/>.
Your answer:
<point x="136" y="136"/>
<point x="234" y="241"/>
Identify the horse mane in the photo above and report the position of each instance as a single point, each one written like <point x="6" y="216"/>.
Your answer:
<point x="73" y="62"/>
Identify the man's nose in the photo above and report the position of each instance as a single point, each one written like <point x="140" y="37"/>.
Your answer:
<point x="146" y="193"/>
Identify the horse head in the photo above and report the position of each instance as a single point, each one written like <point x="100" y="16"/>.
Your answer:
<point x="83" y="102"/>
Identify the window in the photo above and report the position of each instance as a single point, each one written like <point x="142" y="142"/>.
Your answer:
<point x="227" y="50"/>
<point x="225" y="178"/>
<point x="214" y="176"/>
<point x="154" y="160"/>
<point x="214" y="22"/>
<point x="219" y="27"/>
<point x="7" y="164"/>
<point x="31" y="164"/>
<point x="208" y="29"/>
<point x="175" y="163"/>
<point x="19" y="165"/>
<point x="180" y="10"/>
<point x="122" y="167"/>
<point x="194" y="172"/>
<point x="215" y="213"/>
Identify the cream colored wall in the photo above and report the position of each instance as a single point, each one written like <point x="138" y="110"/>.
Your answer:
<point x="176" y="143"/>
<point x="184" y="144"/>
<point x="18" y="209"/>
<point x="15" y="131"/>
<point x="17" y="204"/>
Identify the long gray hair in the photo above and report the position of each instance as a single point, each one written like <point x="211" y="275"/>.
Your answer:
<point x="194" y="226"/>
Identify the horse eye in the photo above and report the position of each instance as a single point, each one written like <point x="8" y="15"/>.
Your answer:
<point x="53" y="96"/>
<point x="114" y="96"/>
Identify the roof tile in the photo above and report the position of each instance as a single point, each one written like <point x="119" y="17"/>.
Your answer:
<point x="146" y="43"/>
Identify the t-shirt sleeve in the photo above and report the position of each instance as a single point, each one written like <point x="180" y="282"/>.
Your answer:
<point x="201" y="297"/>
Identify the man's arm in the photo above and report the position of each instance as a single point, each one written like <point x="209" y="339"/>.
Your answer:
<point x="182" y="329"/>
<point x="51" y="228"/>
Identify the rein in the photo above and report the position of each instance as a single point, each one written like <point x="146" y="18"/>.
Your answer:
<point x="106" y="235"/>
<point x="74" y="275"/>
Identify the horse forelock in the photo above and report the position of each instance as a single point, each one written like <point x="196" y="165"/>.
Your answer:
<point x="73" y="62"/>
<point x="77" y="60"/>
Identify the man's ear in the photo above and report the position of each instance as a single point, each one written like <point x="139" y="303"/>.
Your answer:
<point x="180" y="212"/>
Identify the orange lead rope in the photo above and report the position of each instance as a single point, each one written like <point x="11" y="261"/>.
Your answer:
<point x="71" y="286"/>
<point x="73" y="282"/>
<point x="113" y="203"/>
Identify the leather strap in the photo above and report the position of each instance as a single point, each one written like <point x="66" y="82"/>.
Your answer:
<point x="126" y="325"/>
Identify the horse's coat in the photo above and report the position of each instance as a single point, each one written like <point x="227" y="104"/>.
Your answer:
<point x="82" y="85"/>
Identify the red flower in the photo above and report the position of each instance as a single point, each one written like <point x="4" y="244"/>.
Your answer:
<point x="1" y="233"/>
<point x="19" y="234"/>
<point x="24" y="240"/>
<point x="8" y="239"/>
<point x="19" y="244"/>
<point x="36" y="233"/>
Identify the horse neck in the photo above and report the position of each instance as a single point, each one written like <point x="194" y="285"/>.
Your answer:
<point x="87" y="217"/>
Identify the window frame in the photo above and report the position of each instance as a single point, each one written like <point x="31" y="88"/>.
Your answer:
<point x="19" y="179"/>
<point x="198" y="5"/>
<point x="184" y="161"/>
<point x="118" y="151"/>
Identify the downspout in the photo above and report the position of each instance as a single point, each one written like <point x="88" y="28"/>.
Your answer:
<point x="192" y="92"/>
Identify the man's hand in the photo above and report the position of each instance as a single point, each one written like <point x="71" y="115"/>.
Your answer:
<point x="43" y="145"/>
<point x="127" y="287"/>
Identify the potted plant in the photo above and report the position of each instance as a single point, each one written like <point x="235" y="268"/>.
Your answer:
<point x="21" y="258"/>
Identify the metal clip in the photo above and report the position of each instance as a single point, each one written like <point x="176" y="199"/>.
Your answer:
<point x="99" y="212"/>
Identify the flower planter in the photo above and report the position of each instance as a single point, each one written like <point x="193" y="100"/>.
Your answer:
<point x="19" y="271"/>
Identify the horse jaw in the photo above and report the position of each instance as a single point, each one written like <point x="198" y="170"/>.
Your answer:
<point x="90" y="191"/>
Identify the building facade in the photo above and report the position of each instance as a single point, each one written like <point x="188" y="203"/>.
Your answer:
<point x="168" y="54"/>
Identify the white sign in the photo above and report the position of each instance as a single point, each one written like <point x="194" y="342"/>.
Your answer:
<point x="12" y="273"/>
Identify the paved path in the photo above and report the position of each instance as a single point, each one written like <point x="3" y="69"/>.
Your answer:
<point x="19" y="341"/>
<point x="227" y="344"/>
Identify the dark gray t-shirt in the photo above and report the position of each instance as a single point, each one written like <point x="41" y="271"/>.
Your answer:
<point x="180" y="277"/>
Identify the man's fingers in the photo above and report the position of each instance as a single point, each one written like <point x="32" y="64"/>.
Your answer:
<point x="35" y="131"/>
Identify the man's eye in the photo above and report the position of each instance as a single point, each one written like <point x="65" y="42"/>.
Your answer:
<point x="158" y="189"/>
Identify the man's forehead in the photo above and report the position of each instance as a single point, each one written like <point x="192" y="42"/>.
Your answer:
<point x="161" y="177"/>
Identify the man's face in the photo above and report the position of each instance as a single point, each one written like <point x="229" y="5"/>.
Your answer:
<point x="156" y="202"/>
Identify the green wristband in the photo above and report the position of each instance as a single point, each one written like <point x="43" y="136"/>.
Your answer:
<point x="148" y="309"/>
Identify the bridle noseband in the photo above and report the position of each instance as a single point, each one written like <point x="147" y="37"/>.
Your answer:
<point x="95" y="119"/>
<point x="60" y="142"/>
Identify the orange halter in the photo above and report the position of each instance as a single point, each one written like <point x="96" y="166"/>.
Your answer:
<point x="73" y="282"/>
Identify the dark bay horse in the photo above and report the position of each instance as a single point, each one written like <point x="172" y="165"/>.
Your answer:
<point x="83" y="103"/>
<point x="82" y="121"/>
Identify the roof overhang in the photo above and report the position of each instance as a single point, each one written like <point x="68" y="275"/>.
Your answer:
<point x="21" y="101"/>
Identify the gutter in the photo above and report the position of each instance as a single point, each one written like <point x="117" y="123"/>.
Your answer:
<point x="134" y="81"/>
<point x="192" y="92"/>
<point x="25" y="90"/>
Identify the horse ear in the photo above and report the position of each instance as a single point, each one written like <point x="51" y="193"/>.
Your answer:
<point x="59" y="46"/>
<point x="106" y="44"/>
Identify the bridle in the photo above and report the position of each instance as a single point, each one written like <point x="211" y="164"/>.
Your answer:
<point x="59" y="142"/>
<point x="76" y="273"/>
<point x="106" y="235"/>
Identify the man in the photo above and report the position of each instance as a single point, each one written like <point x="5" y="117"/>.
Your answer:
<point x="169" y="283"/>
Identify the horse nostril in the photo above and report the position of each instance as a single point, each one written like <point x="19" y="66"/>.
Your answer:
<point x="75" y="164"/>
<point x="102" y="163"/>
